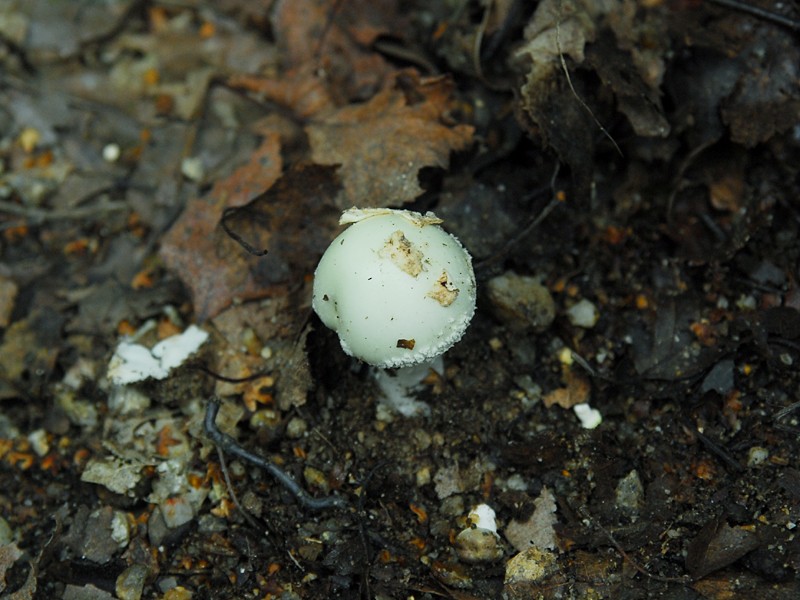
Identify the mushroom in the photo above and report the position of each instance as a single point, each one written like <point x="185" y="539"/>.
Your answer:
<point x="397" y="289"/>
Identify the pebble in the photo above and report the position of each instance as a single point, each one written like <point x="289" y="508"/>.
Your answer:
<point x="111" y="152"/>
<point x="39" y="443"/>
<point x="130" y="583"/>
<point x="522" y="302"/>
<point x="583" y="314"/>
<point x="630" y="493"/>
<point x="757" y="456"/>
<point x="193" y="169"/>
<point x="526" y="571"/>
<point x="477" y="545"/>
<point x="588" y="416"/>
<point x="296" y="428"/>
<point x="176" y="511"/>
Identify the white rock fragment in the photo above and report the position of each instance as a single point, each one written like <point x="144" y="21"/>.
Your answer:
<point x="133" y="362"/>
<point x="117" y="475"/>
<point x="479" y="542"/>
<point x="120" y="529"/>
<point x="193" y="169"/>
<point x="39" y="442"/>
<point x="583" y="314"/>
<point x="176" y="511"/>
<point x="111" y="153"/>
<point x="483" y="517"/>
<point x="756" y="456"/>
<point x="588" y="416"/>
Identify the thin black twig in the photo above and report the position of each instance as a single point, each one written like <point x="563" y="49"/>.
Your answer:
<point x="226" y="214"/>
<point x="248" y="517"/>
<point x="761" y="13"/>
<point x="627" y="557"/>
<point x="228" y="444"/>
<point x="717" y="451"/>
<point x="218" y="377"/>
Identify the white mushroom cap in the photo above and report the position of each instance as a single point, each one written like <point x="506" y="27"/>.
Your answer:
<point x="396" y="287"/>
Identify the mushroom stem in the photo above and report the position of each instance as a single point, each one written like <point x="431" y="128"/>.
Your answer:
<point x="399" y="385"/>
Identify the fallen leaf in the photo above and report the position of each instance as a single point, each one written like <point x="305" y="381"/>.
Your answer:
<point x="576" y="391"/>
<point x="382" y="144"/>
<point x="335" y="39"/>
<point x="537" y="530"/>
<point x="718" y="545"/>
<point x="195" y="248"/>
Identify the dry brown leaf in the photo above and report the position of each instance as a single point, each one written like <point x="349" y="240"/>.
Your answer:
<point x="301" y="90"/>
<point x="334" y="39"/>
<point x="600" y="36"/>
<point x="194" y="249"/>
<point x="382" y="144"/>
<point x="576" y="391"/>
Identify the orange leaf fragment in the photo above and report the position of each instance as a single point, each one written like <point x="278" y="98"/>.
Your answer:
<point x="382" y="144"/>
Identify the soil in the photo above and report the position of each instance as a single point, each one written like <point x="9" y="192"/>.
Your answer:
<point x="631" y="170"/>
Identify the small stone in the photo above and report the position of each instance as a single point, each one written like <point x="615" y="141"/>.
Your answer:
<point x="86" y="592"/>
<point x="588" y="416"/>
<point x="583" y="314"/>
<point x="39" y="443"/>
<point x="529" y="565"/>
<point x="316" y="478"/>
<point x="120" y="528"/>
<point x="130" y="582"/>
<point x="111" y="153"/>
<point x="483" y="517"/>
<point x="452" y="575"/>
<point x="476" y="545"/>
<point x="193" y="169"/>
<point x="423" y="476"/>
<point x="176" y="512"/>
<point x="757" y="456"/>
<point x="630" y="493"/>
<point x="296" y="428"/>
<point x="80" y="412"/>
<point x="178" y="593"/>
<point x="115" y="474"/>
<point x="522" y="302"/>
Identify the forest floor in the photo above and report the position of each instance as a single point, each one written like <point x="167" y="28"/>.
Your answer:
<point x="627" y="171"/>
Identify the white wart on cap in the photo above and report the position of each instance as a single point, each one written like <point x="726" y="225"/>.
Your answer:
<point x="396" y="287"/>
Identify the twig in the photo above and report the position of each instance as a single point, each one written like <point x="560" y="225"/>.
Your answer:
<point x="717" y="451"/>
<point x="248" y="517"/>
<point x="226" y="214"/>
<point x="761" y="13"/>
<point x="782" y="414"/>
<point x="627" y="557"/>
<point x="228" y="444"/>
<point x="575" y="92"/>
<point x="79" y="212"/>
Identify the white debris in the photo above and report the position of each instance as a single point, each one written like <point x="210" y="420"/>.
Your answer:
<point x="589" y="417"/>
<point x="134" y="362"/>
<point x="111" y="153"/>
<point x="583" y="314"/>
<point x="483" y="517"/>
